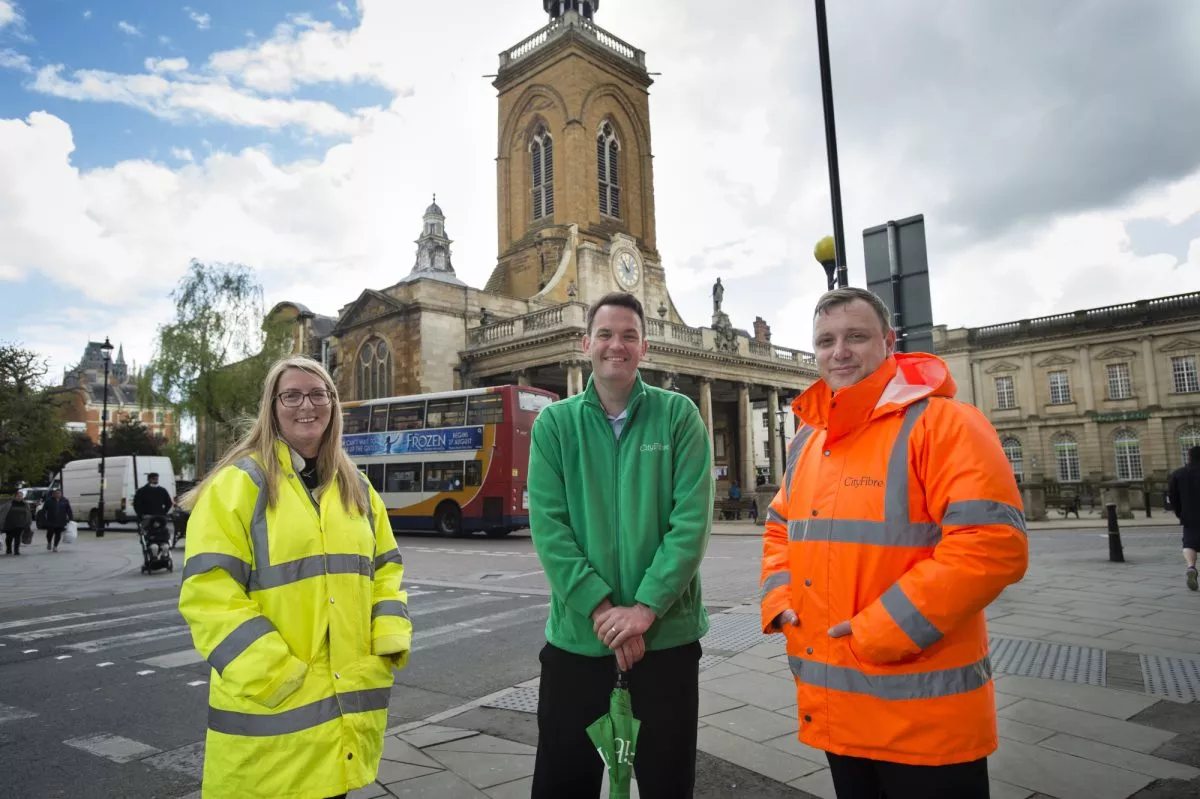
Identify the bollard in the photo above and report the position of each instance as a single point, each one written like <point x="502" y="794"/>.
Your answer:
<point x="1146" y="494"/>
<point x="1115" y="552"/>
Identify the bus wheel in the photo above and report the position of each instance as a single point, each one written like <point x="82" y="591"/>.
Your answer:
<point x="498" y="532"/>
<point x="448" y="520"/>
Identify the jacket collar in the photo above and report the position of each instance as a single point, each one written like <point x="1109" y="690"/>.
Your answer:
<point x="592" y="397"/>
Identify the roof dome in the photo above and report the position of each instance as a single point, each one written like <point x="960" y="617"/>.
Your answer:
<point x="434" y="208"/>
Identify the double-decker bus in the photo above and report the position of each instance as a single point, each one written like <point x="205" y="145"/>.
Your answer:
<point x="454" y="462"/>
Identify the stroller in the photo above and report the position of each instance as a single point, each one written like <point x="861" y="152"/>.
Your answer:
<point x="155" y="538"/>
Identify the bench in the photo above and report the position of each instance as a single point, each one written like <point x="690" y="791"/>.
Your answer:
<point x="734" y="508"/>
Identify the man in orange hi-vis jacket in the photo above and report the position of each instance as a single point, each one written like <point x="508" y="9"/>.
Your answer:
<point x="897" y="522"/>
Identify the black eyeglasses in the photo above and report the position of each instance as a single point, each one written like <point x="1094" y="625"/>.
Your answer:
<point x="293" y="398"/>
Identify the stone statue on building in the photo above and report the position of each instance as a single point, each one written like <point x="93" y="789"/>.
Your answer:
<point x="718" y="295"/>
<point x="485" y="318"/>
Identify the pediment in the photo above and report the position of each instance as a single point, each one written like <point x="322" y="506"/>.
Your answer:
<point x="1056" y="360"/>
<point x="1116" y="353"/>
<point x="370" y="305"/>
<point x="1003" y="366"/>
<point x="1181" y="344"/>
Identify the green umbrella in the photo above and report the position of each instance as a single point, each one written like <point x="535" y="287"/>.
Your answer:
<point x="615" y="736"/>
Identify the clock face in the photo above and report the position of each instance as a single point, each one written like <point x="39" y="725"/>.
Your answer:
<point x="627" y="269"/>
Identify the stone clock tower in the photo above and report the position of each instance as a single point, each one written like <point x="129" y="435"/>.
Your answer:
<point x="574" y="170"/>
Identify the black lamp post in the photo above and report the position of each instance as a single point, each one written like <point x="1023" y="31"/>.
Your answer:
<point x="835" y="183"/>
<point x="106" y="348"/>
<point x="782" y="414"/>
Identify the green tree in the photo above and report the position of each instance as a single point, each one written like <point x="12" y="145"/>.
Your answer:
<point x="79" y="447"/>
<point x="182" y="455"/>
<point x="32" y="433"/>
<point x="131" y="437"/>
<point x="210" y="362"/>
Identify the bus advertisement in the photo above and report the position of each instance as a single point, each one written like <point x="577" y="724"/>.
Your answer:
<point x="454" y="462"/>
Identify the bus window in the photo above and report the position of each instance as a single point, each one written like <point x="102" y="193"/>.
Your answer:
<point x="528" y="401"/>
<point x="446" y="412"/>
<point x="443" y="475"/>
<point x="355" y="420"/>
<point x="375" y="475"/>
<point x="474" y="473"/>
<point x="379" y="415"/>
<point x="406" y="416"/>
<point x="485" y="409"/>
<point x="403" y="477"/>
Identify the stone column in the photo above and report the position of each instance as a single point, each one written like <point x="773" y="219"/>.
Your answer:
<point x="1085" y="374"/>
<point x="706" y="409"/>
<point x="978" y="391"/>
<point x="522" y="377"/>
<point x="1151" y="372"/>
<point x="746" y="434"/>
<point x="668" y="379"/>
<point x="773" y="435"/>
<point x="574" y="379"/>
<point x="1028" y="392"/>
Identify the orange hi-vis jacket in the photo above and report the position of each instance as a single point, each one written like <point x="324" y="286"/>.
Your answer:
<point x="898" y="513"/>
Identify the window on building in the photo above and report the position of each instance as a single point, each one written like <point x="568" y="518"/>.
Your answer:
<point x="1120" y="383"/>
<point x="1183" y="370"/>
<point x="1060" y="388"/>
<point x="608" y="151"/>
<point x="1012" y="451"/>
<point x="541" y="151"/>
<point x="1066" y="456"/>
<point x="1189" y="437"/>
<point x="767" y="449"/>
<point x="374" y="370"/>
<point x="1129" y="455"/>
<point x="158" y="417"/>
<point x="1006" y="395"/>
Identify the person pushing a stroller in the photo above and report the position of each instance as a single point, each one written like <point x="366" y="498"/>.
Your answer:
<point x="152" y="504"/>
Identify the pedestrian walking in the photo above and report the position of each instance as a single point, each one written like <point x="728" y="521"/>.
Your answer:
<point x="54" y="515"/>
<point x="14" y="520"/>
<point x="291" y="589"/>
<point x="1183" y="488"/>
<point x="897" y="523"/>
<point x="620" y="503"/>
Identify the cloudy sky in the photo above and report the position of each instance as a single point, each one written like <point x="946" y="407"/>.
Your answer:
<point x="1051" y="147"/>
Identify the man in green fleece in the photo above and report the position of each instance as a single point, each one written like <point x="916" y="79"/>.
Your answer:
<point x="620" y="509"/>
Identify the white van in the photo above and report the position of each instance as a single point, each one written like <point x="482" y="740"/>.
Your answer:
<point x="80" y="484"/>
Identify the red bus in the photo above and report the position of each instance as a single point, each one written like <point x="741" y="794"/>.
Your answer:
<point x="454" y="462"/>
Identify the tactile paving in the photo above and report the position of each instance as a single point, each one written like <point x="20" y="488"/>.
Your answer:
<point x="1026" y="658"/>
<point x="1175" y="678"/>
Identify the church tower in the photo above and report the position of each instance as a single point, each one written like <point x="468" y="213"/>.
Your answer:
<point x="574" y="177"/>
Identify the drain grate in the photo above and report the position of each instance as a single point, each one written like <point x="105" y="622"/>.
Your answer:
<point x="732" y="632"/>
<point x="522" y="700"/>
<point x="1025" y="658"/>
<point x="1175" y="678"/>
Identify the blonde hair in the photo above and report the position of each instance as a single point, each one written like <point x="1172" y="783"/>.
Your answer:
<point x="332" y="461"/>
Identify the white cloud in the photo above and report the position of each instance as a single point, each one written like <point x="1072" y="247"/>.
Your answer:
<point x="126" y="28"/>
<point x="202" y="20"/>
<point x="9" y="13"/>
<point x="11" y="59"/>
<point x="182" y="153"/>
<point x="163" y="39"/>
<point x="344" y="10"/>
<point x="87" y="13"/>
<point x="161" y="65"/>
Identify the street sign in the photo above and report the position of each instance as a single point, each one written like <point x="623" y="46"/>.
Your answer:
<point x="898" y="271"/>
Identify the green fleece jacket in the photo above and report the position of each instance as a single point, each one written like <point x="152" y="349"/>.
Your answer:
<point x="628" y="520"/>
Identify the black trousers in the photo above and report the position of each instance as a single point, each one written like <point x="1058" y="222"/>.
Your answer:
<point x="575" y="691"/>
<point x="859" y="778"/>
<point x="53" y="536"/>
<point x="12" y="542"/>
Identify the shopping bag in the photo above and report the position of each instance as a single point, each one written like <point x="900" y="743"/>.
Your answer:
<point x="70" y="532"/>
<point x="27" y="536"/>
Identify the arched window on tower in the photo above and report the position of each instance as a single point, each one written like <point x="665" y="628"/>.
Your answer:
<point x="608" y="151"/>
<point x="541" y="150"/>
<point x="374" y="370"/>
<point x="1012" y="451"/>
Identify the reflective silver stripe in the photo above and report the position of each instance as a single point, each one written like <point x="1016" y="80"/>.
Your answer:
<point x="239" y="641"/>
<point x="390" y="607"/>
<point x="895" y="502"/>
<point x="775" y="516"/>
<point x="774" y="581"/>
<point x="984" y="511"/>
<point x="908" y="618"/>
<point x="793" y="457"/>
<point x="391" y="556"/>
<point x="284" y="573"/>
<point x="919" y="685"/>
<point x="350" y="564"/>
<point x="258" y="522"/>
<point x="857" y="531"/>
<point x="365" y="701"/>
<point x="304" y="717"/>
<point x="203" y="562"/>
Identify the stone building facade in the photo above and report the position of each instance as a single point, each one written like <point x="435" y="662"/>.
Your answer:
<point x="84" y="408"/>
<point x="1091" y="397"/>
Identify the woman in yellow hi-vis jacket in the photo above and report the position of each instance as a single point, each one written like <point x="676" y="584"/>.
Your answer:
<point x="291" y="588"/>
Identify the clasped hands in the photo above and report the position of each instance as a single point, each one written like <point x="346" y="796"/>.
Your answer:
<point x="621" y="630"/>
<point x="789" y="617"/>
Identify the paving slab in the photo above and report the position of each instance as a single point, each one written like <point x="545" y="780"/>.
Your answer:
<point x="1087" y="725"/>
<point x="432" y="734"/>
<point x="756" y="757"/>
<point x="747" y="661"/>
<point x="1004" y="700"/>
<point x="391" y="772"/>
<point x="1019" y="731"/>
<point x="752" y="723"/>
<point x="1090" y="698"/>
<point x="401" y="751"/>
<point x="1121" y="758"/>
<point x="792" y="745"/>
<point x="1062" y="776"/>
<point x="722" y="669"/>
<point x="819" y="783"/>
<point x="443" y="785"/>
<point x="1003" y="790"/>
<point x="485" y="770"/>
<point x="755" y="688"/>
<point x="484" y="744"/>
<point x="716" y="703"/>
<point x="1163" y="640"/>
<point x="372" y="791"/>
<point x="768" y="650"/>
<point x="517" y="789"/>
<point x="1062" y="625"/>
<point x="1091" y="642"/>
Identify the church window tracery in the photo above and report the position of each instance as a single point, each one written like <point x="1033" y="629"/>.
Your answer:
<point x="541" y="150"/>
<point x="374" y="370"/>
<point x="608" y="150"/>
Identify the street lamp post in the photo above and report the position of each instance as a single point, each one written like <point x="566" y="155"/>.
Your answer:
<point x="835" y="183"/>
<point x="782" y="414"/>
<point x="106" y="348"/>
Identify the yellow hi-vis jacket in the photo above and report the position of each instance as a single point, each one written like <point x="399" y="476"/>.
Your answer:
<point x="298" y="610"/>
